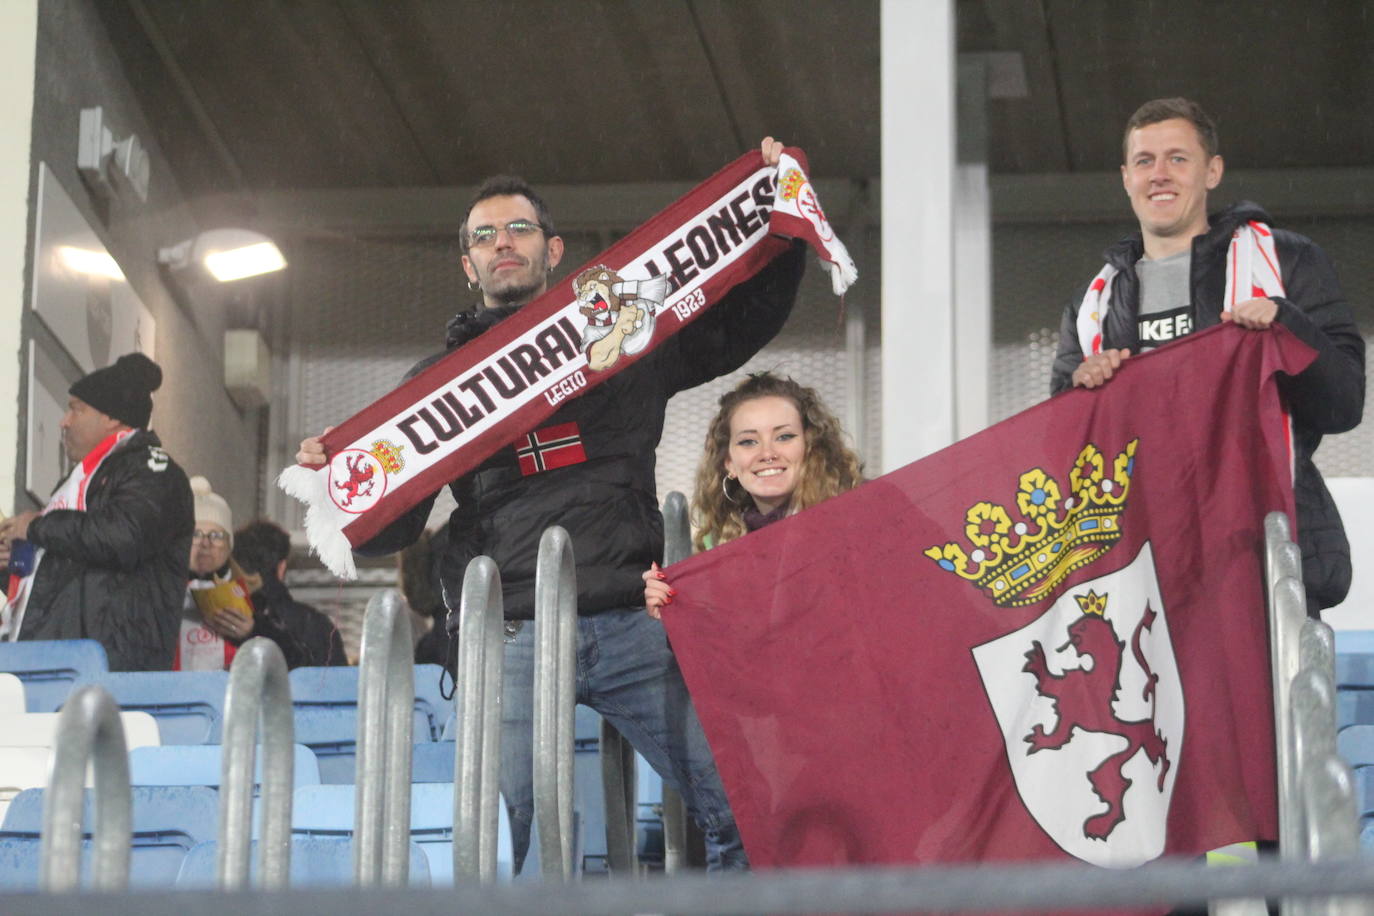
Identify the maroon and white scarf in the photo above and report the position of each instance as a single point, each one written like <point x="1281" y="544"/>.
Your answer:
<point x="481" y="397"/>
<point x="70" y="495"/>
<point x="1252" y="269"/>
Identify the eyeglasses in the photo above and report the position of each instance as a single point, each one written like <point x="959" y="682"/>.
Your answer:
<point x="214" y="537"/>
<point x="482" y="236"/>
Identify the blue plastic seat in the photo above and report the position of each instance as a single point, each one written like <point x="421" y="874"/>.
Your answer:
<point x="19" y="863"/>
<point x="1355" y="669"/>
<point x="167" y="822"/>
<point x="199" y="765"/>
<point x="1354" y="707"/>
<point x="1353" y="642"/>
<point x="188" y="705"/>
<point x="316" y="861"/>
<point x="337" y="687"/>
<point x="1364" y="789"/>
<point x="432" y="761"/>
<point x="51" y="668"/>
<point x="589" y="797"/>
<point x="332" y="733"/>
<point x="328" y="810"/>
<point x="1356" y="745"/>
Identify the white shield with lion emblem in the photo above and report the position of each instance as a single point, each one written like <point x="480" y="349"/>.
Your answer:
<point x="1090" y="705"/>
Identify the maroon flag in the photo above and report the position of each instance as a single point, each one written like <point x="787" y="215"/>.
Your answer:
<point x="1046" y="640"/>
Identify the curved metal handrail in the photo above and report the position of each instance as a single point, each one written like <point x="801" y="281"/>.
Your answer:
<point x="677" y="546"/>
<point x="1287" y="613"/>
<point x="386" y="726"/>
<point x="476" y="795"/>
<point x="1281" y="556"/>
<point x="677" y="529"/>
<point x="257" y="686"/>
<point x="555" y="615"/>
<point x="618" y="790"/>
<point x="89" y="727"/>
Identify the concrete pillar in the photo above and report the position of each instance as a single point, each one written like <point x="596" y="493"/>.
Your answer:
<point x="972" y="253"/>
<point x="918" y="154"/>
<point x="18" y="43"/>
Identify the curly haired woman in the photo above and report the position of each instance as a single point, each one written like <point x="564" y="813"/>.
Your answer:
<point x="772" y="450"/>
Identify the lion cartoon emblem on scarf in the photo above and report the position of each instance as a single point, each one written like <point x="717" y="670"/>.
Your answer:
<point x="620" y="313"/>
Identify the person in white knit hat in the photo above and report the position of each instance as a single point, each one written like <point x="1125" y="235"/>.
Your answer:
<point x="217" y="614"/>
<point x="226" y="605"/>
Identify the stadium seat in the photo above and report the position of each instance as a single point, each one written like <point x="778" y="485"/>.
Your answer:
<point x="316" y="861"/>
<point x="19" y="863"/>
<point x="332" y="733"/>
<point x="199" y="765"/>
<point x="430" y="699"/>
<point x="167" y="822"/>
<point x="432" y="761"/>
<point x="39" y="729"/>
<point x="23" y="768"/>
<point x="337" y="687"/>
<point x="11" y="694"/>
<point x="589" y="797"/>
<point x="1352" y="642"/>
<point x="1354" y="707"/>
<point x="1356" y="745"/>
<point x="51" y="668"/>
<point x="328" y="810"/>
<point x="1364" y="790"/>
<point x="188" y="705"/>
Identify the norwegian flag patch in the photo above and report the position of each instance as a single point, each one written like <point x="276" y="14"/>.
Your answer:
<point x="548" y="448"/>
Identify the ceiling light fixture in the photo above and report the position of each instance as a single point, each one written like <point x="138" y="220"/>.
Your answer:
<point x="226" y="254"/>
<point x="90" y="263"/>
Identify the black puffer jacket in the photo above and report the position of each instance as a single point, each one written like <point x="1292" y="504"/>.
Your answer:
<point x="116" y="573"/>
<point x="306" y="636"/>
<point x="1327" y="397"/>
<point x="606" y="498"/>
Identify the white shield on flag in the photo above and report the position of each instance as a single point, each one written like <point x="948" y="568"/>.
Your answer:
<point x="1090" y="705"/>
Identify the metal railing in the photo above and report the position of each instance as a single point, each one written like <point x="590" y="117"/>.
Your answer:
<point x="477" y="697"/>
<point x="88" y="730"/>
<point x="677" y="546"/>
<point x="1063" y="888"/>
<point x="258" y="687"/>
<point x="555" y="670"/>
<point x="618" y="766"/>
<point x="1287" y="612"/>
<point x="386" y="701"/>
<point x="1318" y="820"/>
<point x="618" y="779"/>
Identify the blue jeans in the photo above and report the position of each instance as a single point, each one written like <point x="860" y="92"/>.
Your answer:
<point x="626" y="672"/>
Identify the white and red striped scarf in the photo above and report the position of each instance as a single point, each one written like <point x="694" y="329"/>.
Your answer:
<point x="1252" y="269"/>
<point x="71" y="495"/>
<point x="487" y="393"/>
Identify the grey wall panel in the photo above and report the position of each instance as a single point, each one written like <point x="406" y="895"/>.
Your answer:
<point x="77" y="68"/>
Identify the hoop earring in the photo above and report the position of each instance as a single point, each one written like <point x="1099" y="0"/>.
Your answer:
<point x="472" y="285"/>
<point x="725" y="491"/>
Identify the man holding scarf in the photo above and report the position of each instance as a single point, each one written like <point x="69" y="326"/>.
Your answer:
<point x="1185" y="271"/>
<point x="590" y="469"/>
<point x="106" y="558"/>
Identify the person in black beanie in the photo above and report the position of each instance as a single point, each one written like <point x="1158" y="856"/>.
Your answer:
<point x="106" y="558"/>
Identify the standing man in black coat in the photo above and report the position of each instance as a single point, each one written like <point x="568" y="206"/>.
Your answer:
<point x="1182" y="272"/>
<point x="107" y="555"/>
<point x="590" y="470"/>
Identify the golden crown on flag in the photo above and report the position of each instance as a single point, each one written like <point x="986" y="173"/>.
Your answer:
<point x="791" y="184"/>
<point x="1020" y="562"/>
<point x="389" y="454"/>
<point x="1092" y="603"/>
